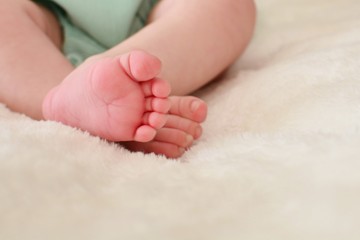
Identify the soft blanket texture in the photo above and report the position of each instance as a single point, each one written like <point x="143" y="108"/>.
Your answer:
<point x="279" y="159"/>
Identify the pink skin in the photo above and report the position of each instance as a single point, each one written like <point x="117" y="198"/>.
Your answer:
<point x="117" y="98"/>
<point x="181" y="129"/>
<point x="121" y="99"/>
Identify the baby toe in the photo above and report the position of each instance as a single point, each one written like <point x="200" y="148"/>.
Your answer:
<point x="189" y="107"/>
<point x="160" y="88"/>
<point x="174" y="136"/>
<point x="156" y="87"/>
<point x="144" y="134"/>
<point x="160" y="105"/>
<point x="186" y="125"/>
<point x="155" y="120"/>
<point x="140" y="65"/>
<point x="162" y="148"/>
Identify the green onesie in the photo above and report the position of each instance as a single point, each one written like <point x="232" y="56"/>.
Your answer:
<point x="93" y="26"/>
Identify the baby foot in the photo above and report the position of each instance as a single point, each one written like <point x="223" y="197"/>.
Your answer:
<point x="181" y="128"/>
<point x="117" y="98"/>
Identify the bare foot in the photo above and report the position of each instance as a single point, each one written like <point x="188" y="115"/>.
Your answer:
<point x="119" y="98"/>
<point x="180" y="130"/>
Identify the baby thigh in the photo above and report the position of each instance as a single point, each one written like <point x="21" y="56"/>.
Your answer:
<point x="30" y="60"/>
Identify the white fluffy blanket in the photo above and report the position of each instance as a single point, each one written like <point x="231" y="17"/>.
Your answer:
<point x="279" y="159"/>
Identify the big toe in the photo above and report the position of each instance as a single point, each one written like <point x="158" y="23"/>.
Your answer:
<point x="140" y="65"/>
<point x="189" y="107"/>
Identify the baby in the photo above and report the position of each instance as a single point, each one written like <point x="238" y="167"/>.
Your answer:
<point x="120" y="69"/>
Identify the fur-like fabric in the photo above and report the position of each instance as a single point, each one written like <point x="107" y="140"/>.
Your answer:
<point x="279" y="158"/>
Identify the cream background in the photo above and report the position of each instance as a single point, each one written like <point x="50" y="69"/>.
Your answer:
<point x="279" y="159"/>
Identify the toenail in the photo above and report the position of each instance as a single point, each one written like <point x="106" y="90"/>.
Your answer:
<point x="195" y="105"/>
<point x="198" y="132"/>
<point x="189" y="139"/>
<point x="181" y="150"/>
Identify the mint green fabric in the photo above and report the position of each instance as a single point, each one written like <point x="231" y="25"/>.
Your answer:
<point x="93" y="26"/>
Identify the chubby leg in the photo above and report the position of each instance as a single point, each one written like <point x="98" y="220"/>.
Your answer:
<point x="30" y="67"/>
<point x="221" y="28"/>
<point x="195" y="40"/>
<point x="30" y="60"/>
<point x="33" y="66"/>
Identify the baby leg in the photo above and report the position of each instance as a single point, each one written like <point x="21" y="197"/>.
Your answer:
<point x="195" y="40"/>
<point x="30" y="60"/>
